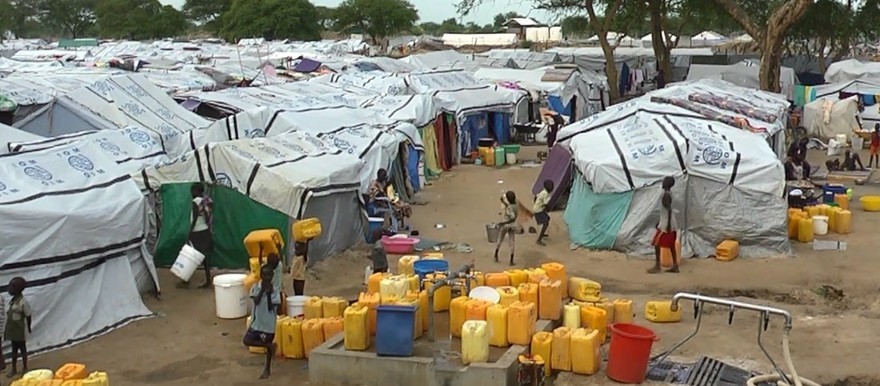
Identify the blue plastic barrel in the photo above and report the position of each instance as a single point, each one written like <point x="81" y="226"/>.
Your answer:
<point x="424" y="267"/>
<point x="394" y="330"/>
<point x="375" y="224"/>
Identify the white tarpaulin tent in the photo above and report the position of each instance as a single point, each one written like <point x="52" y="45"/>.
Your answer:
<point x="725" y="174"/>
<point x="459" y="93"/>
<point x="113" y="103"/>
<point x="869" y="116"/>
<point x="132" y="148"/>
<point x="10" y="135"/>
<point x="381" y="83"/>
<point x="743" y="74"/>
<point x="377" y="147"/>
<point x="392" y="97"/>
<point x="588" y="95"/>
<point x="296" y="174"/>
<point x="73" y="226"/>
<point x="827" y="117"/>
<point x="852" y="69"/>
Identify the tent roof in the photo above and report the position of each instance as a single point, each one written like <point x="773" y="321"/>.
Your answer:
<point x="744" y="74"/>
<point x="643" y="140"/>
<point x="709" y="36"/>
<point x="279" y="172"/>
<point x="461" y="93"/>
<point x="852" y="69"/>
<point x="10" y="135"/>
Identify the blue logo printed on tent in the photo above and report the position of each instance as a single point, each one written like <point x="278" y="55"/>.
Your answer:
<point x="37" y="173"/>
<point x="165" y="113"/>
<point x="648" y="150"/>
<point x="133" y="108"/>
<point x="342" y="145"/>
<point x="110" y="147"/>
<point x="223" y="179"/>
<point x="712" y="155"/>
<point x="139" y="137"/>
<point x="255" y="133"/>
<point x="80" y="163"/>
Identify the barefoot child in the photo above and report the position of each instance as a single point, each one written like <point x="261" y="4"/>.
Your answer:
<point x="874" y="160"/>
<point x="261" y="332"/>
<point x="298" y="270"/>
<point x="667" y="230"/>
<point x="18" y="324"/>
<point x="540" y="210"/>
<point x="508" y="225"/>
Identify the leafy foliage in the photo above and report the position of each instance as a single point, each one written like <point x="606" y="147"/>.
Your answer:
<point x="144" y="19"/>
<point x="271" y="19"/>
<point x="206" y="12"/>
<point x="73" y="17"/>
<point x="376" y="18"/>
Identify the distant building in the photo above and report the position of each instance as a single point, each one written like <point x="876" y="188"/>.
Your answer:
<point x="519" y="25"/>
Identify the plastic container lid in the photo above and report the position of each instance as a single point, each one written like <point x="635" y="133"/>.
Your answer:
<point x="488" y="294"/>
<point x="229" y="279"/>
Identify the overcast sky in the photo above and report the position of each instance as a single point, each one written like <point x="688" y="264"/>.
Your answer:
<point x="438" y="10"/>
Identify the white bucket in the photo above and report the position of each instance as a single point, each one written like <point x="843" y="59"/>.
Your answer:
<point x="295" y="305"/>
<point x="188" y="260"/>
<point x="230" y="296"/>
<point x="820" y="225"/>
<point x="511" y="158"/>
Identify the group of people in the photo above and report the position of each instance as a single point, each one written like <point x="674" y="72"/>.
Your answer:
<point x="797" y="168"/>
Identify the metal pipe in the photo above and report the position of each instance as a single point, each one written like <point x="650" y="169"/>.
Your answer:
<point x="735" y="304"/>
<point x="461" y="272"/>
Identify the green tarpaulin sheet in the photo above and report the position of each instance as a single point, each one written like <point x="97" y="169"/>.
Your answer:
<point x="594" y="219"/>
<point x="235" y="215"/>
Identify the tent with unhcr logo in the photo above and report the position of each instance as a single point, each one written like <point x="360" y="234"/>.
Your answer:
<point x="717" y="141"/>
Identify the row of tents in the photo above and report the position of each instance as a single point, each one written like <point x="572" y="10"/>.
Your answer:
<point x="95" y="178"/>
<point x="97" y="165"/>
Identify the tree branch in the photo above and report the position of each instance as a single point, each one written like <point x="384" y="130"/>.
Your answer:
<point x="742" y="18"/>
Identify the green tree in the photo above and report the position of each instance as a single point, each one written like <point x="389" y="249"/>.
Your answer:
<point x="576" y="26"/>
<point x="326" y="17"/>
<point x="855" y="22"/>
<point x="501" y="18"/>
<point x="169" y="22"/>
<point x="206" y="12"/>
<point x="139" y="19"/>
<point x="21" y="17"/>
<point x="377" y="19"/>
<point x="271" y="19"/>
<point x="72" y="17"/>
<point x="767" y="21"/>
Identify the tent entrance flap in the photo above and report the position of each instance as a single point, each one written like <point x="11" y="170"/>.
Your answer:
<point x="235" y="215"/>
<point x="594" y="219"/>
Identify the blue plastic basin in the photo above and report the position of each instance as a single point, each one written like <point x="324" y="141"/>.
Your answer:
<point x="424" y="267"/>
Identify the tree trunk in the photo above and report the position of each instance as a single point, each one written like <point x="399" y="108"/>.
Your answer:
<point x="601" y="30"/>
<point x="610" y="68"/>
<point x="658" y="39"/>
<point x="771" y="60"/>
<point x="771" y="38"/>
<point x="823" y="64"/>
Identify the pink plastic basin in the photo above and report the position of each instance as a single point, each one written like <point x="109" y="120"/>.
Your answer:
<point x="399" y="245"/>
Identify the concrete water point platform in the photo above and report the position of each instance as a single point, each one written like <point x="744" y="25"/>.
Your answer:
<point x="432" y="364"/>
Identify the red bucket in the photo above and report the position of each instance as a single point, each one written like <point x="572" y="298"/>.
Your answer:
<point x="629" y="352"/>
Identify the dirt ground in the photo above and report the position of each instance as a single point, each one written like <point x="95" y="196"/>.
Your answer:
<point x="834" y="341"/>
